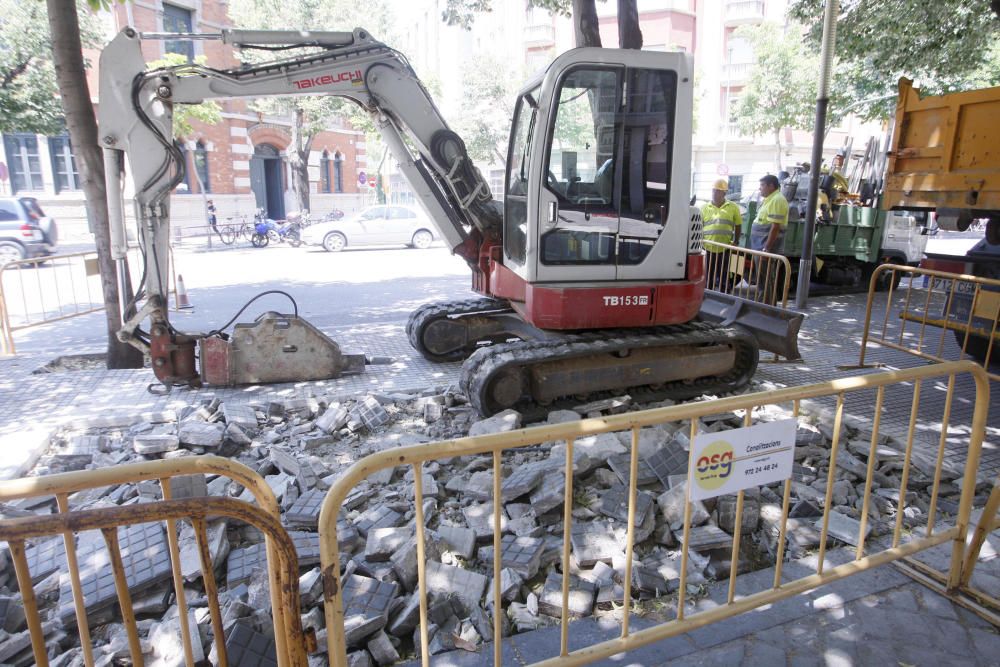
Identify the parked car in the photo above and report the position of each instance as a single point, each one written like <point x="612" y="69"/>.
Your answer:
<point x="376" y="225"/>
<point x="25" y="230"/>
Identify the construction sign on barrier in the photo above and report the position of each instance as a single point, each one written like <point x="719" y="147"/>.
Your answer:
<point x="730" y="461"/>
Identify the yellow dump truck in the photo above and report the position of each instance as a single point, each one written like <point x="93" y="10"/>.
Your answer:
<point x="945" y="157"/>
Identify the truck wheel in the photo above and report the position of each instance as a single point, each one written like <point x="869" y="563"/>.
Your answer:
<point x="993" y="231"/>
<point x="978" y="346"/>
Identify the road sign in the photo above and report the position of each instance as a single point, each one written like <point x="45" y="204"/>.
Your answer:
<point x="729" y="461"/>
<point x="362" y="178"/>
<point x="722" y="169"/>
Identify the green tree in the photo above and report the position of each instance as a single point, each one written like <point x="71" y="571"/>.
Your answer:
<point x="487" y="107"/>
<point x="207" y="113"/>
<point x="29" y="96"/>
<point x="781" y="90"/>
<point x="944" y="45"/>
<point x="310" y="114"/>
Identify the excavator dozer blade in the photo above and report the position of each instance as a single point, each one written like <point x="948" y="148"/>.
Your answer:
<point x="776" y="329"/>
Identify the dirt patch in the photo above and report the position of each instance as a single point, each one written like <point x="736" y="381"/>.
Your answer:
<point x="77" y="362"/>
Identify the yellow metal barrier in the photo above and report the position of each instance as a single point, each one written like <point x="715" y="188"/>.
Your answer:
<point x="755" y="275"/>
<point x="281" y="555"/>
<point x="968" y="306"/>
<point x="49" y="289"/>
<point x="688" y="415"/>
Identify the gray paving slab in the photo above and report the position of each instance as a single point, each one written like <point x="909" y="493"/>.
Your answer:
<point x="304" y="512"/>
<point x="247" y="647"/>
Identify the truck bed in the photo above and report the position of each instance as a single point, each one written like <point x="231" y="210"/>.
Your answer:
<point x="945" y="151"/>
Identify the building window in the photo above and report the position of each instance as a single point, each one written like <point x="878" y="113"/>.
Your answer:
<point x="201" y="166"/>
<point x="184" y="187"/>
<point x="63" y="164"/>
<point x="24" y="164"/>
<point x="324" y="172"/>
<point x="178" y="19"/>
<point x="338" y="172"/>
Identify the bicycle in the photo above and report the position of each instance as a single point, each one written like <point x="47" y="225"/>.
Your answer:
<point x="232" y="231"/>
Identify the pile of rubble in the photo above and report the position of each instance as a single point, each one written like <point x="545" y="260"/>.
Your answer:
<point x="300" y="445"/>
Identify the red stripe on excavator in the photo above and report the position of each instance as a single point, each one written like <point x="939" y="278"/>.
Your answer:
<point x="610" y="306"/>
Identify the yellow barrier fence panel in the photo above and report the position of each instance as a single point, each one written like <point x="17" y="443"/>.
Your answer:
<point x="767" y="412"/>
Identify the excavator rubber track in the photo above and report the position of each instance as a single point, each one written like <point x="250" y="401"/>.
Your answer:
<point x="487" y="364"/>
<point x="425" y="315"/>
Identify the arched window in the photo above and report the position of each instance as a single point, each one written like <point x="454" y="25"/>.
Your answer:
<point x="184" y="187"/>
<point x="201" y="165"/>
<point x="324" y="172"/>
<point x="338" y="172"/>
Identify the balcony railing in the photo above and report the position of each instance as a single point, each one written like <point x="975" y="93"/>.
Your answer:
<point x="736" y="71"/>
<point x="745" y="10"/>
<point x="539" y="35"/>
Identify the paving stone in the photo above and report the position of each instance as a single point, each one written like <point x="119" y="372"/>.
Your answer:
<point x="667" y="461"/>
<point x="581" y="596"/>
<point x="304" y="512"/>
<point x="334" y="419"/>
<point x="285" y="462"/>
<point x="480" y="486"/>
<point x="614" y="503"/>
<point x="248" y="648"/>
<point x="45" y="557"/>
<point x="382" y="650"/>
<point x="153" y="443"/>
<point x="604" y="405"/>
<point x="145" y="557"/>
<point x="665" y="566"/>
<point x="188" y="486"/>
<point x="218" y="548"/>
<point x="370" y="413"/>
<point x="510" y="586"/>
<point x="671" y="503"/>
<point x="562" y="417"/>
<point x="803" y="509"/>
<point x="407" y="618"/>
<point x="239" y="414"/>
<point x="366" y="606"/>
<point x="243" y="562"/>
<point x="520" y="482"/>
<point x="843" y="527"/>
<point x="521" y="554"/>
<point x="459" y="540"/>
<point x="237" y="435"/>
<point x="12" y="618"/>
<point x="709" y="537"/>
<point x="348" y="537"/>
<point x="383" y="542"/>
<point x="549" y="495"/>
<point x="508" y="420"/>
<point x="167" y="644"/>
<point x="200" y="434"/>
<point x="621" y="464"/>
<point x="86" y="444"/>
<point x="464" y="584"/>
<point x="480" y="519"/>
<point x="726" y="511"/>
<point x="307" y="546"/>
<point x="593" y="542"/>
<point x="404" y="559"/>
<point x="380" y="516"/>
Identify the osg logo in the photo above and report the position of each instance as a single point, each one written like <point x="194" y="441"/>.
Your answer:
<point x="714" y="465"/>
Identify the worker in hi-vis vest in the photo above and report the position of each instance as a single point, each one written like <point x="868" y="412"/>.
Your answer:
<point x="768" y="234"/>
<point x="720" y="223"/>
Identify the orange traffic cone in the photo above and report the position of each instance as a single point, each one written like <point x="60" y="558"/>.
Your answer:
<point x="182" y="300"/>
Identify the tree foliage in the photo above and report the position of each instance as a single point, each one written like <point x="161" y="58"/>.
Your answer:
<point x="943" y="45"/>
<point x="28" y="92"/>
<point x="487" y="107"/>
<point x="781" y="90"/>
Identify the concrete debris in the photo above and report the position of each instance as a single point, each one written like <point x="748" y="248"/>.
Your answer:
<point x="302" y="445"/>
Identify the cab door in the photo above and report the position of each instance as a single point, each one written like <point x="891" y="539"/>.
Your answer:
<point x="613" y="171"/>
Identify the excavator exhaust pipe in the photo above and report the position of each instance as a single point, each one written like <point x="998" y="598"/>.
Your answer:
<point x="776" y="329"/>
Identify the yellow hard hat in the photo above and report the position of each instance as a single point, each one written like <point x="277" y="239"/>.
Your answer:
<point x="721" y="184"/>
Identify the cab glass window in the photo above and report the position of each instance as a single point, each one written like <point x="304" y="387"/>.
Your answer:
<point x="516" y="194"/>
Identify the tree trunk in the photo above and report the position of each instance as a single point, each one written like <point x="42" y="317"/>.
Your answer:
<point x="300" y="161"/>
<point x="586" y="25"/>
<point x="629" y="34"/>
<point x="777" y="150"/>
<point x="67" y="57"/>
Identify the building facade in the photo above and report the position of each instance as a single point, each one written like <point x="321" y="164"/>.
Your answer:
<point x="240" y="163"/>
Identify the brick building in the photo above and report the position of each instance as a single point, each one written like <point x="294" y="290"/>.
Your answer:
<point x="242" y="160"/>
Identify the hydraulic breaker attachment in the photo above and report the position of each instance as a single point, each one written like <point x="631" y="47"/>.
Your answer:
<point x="776" y="329"/>
<point x="275" y="348"/>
